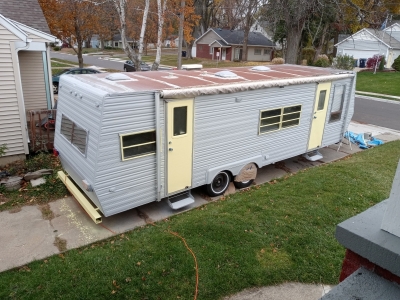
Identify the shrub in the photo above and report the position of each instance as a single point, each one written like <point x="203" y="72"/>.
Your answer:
<point x="343" y="62"/>
<point x="396" y="64"/>
<point x="382" y="64"/>
<point x="56" y="48"/>
<point x="278" y="61"/>
<point x="3" y="149"/>
<point x="374" y="61"/>
<point x="324" y="63"/>
<point x="308" y="53"/>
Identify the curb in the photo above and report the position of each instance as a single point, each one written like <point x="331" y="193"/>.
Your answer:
<point x="377" y="99"/>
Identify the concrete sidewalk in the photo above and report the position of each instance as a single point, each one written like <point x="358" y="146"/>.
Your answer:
<point x="26" y="236"/>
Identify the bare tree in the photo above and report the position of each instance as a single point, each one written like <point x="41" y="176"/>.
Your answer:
<point x="135" y="56"/>
<point x="161" y="8"/>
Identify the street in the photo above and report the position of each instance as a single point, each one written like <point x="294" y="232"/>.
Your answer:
<point x="378" y="113"/>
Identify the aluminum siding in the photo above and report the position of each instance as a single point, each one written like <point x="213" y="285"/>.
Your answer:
<point x="226" y="131"/>
<point x="84" y="112"/>
<point x="333" y="131"/>
<point x="122" y="185"/>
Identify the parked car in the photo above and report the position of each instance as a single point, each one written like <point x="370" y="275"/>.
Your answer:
<point x="129" y="66"/>
<point x="56" y="78"/>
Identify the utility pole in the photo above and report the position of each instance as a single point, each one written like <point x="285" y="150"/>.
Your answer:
<point x="181" y="20"/>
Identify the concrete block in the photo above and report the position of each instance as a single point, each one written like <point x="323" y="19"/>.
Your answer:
<point x="365" y="285"/>
<point x="38" y="181"/>
<point x="363" y="235"/>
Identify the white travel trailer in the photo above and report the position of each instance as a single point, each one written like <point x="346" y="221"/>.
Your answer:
<point x="133" y="138"/>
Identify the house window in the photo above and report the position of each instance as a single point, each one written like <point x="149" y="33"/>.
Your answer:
<point x="115" y="44"/>
<point x="279" y="118"/>
<point x="337" y="103"/>
<point x="257" y="51"/>
<point x="139" y="144"/>
<point x="211" y="50"/>
<point x="74" y="134"/>
<point x="267" y="52"/>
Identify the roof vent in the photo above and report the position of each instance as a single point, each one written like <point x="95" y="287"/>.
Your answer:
<point x="261" y="68"/>
<point x="226" y="74"/>
<point x="118" y="76"/>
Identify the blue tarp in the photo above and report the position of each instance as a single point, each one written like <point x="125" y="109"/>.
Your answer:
<point x="359" y="139"/>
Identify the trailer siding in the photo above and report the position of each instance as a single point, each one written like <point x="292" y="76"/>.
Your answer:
<point x="84" y="112"/>
<point x="226" y="131"/>
<point x="333" y="132"/>
<point x="121" y="185"/>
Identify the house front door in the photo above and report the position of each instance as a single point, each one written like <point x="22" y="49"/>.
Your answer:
<point x="223" y="54"/>
<point x="179" y="145"/>
<point x="319" y="115"/>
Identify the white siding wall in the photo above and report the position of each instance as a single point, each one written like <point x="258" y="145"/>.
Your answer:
<point x="32" y="77"/>
<point x="253" y="57"/>
<point x="10" y="121"/>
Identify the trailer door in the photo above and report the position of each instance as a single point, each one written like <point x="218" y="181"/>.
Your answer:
<point x="179" y="145"/>
<point x="319" y="115"/>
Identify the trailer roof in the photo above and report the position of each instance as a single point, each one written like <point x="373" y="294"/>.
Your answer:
<point x="175" y="82"/>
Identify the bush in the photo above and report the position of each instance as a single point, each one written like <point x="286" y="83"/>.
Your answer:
<point x="308" y="53"/>
<point x="343" y="62"/>
<point x="3" y="149"/>
<point x="278" y="61"/>
<point x="56" y="48"/>
<point x="382" y="64"/>
<point x="324" y="63"/>
<point x="396" y="64"/>
<point x="374" y="61"/>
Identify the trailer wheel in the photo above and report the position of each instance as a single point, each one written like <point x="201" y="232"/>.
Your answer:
<point x="243" y="184"/>
<point x="219" y="184"/>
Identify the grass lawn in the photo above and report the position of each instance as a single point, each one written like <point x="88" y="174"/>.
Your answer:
<point x="269" y="234"/>
<point x="382" y="83"/>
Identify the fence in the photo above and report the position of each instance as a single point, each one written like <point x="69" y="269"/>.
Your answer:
<point x="41" y="125"/>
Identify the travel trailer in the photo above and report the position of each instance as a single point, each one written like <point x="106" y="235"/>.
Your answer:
<point x="127" y="139"/>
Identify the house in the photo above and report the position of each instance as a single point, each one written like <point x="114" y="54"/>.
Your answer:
<point x="368" y="42"/>
<point x="116" y="41"/>
<point x="225" y="44"/>
<point x="25" y="72"/>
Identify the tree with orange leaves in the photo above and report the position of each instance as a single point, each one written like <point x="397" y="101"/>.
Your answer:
<point x="72" y="21"/>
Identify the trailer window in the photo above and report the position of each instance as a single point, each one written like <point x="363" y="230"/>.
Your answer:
<point x="75" y="134"/>
<point x="180" y="120"/>
<point x="337" y="103"/>
<point x="138" y="144"/>
<point x="279" y="118"/>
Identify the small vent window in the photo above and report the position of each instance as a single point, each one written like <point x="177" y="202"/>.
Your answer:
<point x="138" y="144"/>
<point x="337" y="103"/>
<point x="279" y="118"/>
<point x="75" y="134"/>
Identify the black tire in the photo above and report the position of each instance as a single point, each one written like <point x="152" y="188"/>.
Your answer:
<point x="244" y="184"/>
<point x="125" y="69"/>
<point x="55" y="88"/>
<point x="219" y="184"/>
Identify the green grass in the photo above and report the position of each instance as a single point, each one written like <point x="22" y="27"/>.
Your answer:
<point x="56" y="64"/>
<point x="382" y="83"/>
<point x="267" y="235"/>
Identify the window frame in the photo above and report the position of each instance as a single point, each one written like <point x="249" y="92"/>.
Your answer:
<point x="281" y="116"/>
<point x="121" y="135"/>
<point x="211" y="50"/>
<point x="84" y="154"/>
<point x="342" y="100"/>
<point x="267" y="51"/>
<point x="256" y="50"/>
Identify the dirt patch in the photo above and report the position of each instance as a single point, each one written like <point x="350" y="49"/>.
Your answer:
<point x="60" y="243"/>
<point x="281" y="165"/>
<point x="15" y="210"/>
<point x="47" y="213"/>
<point x="145" y="217"/>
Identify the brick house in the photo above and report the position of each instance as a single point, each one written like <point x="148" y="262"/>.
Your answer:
<point x="225" y="44"/>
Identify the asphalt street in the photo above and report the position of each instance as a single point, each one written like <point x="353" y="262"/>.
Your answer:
<point x="378" y="113"/>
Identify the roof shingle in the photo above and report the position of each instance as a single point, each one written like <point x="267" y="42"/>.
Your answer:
<point x="27" y="12"/>
<point x="236" y="37"/>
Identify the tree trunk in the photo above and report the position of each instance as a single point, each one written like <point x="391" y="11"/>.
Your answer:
<point x="321" y="41"/>
<point x="245" y="42"/>
<point x="160" y="11"/>
<point x="142" y="32"/>
<point x="293" y="41"/>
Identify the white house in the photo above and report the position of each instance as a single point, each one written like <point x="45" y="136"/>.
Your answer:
<point x="368" y="42"/>
<point x="25" y="81"/>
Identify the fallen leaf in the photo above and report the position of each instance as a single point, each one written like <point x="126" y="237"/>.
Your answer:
<point x="138" y="263"/>
<point x="128" y="279"/>
<point x="113" y="292"/>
